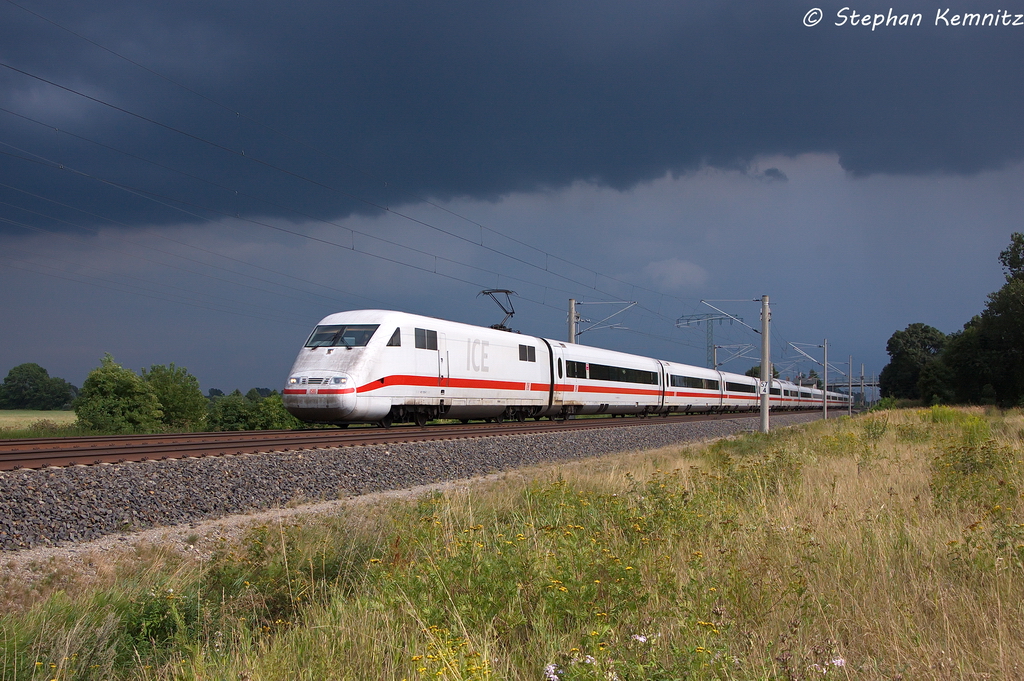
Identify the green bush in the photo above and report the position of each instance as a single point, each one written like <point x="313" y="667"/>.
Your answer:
<point x="181" y="400"/>
<point x="241" y="412"/>
<point x="116" y="400"/>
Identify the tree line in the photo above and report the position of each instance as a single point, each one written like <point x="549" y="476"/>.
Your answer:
<point x="163" y="398"/>
<point x="981" y="364"/>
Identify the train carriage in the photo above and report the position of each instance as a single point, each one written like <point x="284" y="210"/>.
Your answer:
<point x="385" y="366"/>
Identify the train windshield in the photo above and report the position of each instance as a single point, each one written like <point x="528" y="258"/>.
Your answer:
<point x="348" y="335"/>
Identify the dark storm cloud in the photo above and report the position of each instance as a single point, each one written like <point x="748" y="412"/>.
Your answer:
<point x="472" y="99"/>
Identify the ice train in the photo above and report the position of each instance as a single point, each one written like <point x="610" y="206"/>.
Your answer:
<point x="388" y="367"/>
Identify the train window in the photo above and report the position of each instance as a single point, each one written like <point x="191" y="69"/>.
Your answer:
<point x="559" y="367"/>
<point x="600" y="372"/>
<point x="348" y="335"/>
<point x="775" y="391"/>
<point x="396" y="339"/>
<point x="527" y="353"/>
<point x="426" y="339"/>
<point x="575" y="369"/>
<point x="710" y="384"/>
<point x="689" y="382"/>
<point x="741" y="387"/>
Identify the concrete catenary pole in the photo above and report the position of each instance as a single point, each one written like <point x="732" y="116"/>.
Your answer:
<point x="824" y="392"/>
<point x="863" y="395"/>
<point x="849" y="406"/>
<point x="766" y="363"/>
<point x="572" y="320"/>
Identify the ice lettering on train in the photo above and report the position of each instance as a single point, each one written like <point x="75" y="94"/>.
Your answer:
<point x="476" y="355"/>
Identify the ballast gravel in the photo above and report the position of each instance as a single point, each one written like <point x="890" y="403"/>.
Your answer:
<point x="53" y="506"/>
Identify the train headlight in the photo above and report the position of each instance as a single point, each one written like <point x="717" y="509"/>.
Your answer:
<point x="339" y="380"/>
<point x="293" y="380"/>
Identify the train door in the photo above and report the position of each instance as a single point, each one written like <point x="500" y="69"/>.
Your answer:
<point x="721" y="390"/>
<point x="663" y="381"/>
<point x="442" y="360"/>
<point x="556" y="368"/>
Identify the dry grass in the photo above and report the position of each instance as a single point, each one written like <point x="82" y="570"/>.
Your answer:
<point x="20" y="419"/>
<point x="885" y="547"/>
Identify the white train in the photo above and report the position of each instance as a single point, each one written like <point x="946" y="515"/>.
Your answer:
<point x="383" y="366"/>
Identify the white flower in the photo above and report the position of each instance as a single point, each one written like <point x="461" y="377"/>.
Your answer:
<point x="640" y="638"/>
<point x="551" y="673"/>
<point x="839" y="662"/>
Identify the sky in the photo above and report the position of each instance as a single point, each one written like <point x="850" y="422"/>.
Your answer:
<point x="200" y="183"/>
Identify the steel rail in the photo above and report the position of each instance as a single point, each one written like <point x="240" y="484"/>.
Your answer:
<point x="44" y="452"/>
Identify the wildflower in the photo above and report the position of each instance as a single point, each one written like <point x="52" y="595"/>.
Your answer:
<point x="551" y="673"/>
<point x="639" y="638"/>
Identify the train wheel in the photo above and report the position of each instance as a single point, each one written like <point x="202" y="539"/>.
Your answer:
<point x="342" y="425"/>
<point x="385" y="422"/>
<point x="521" y="416"/>
<point x="499" y="418"/>
<point x="420" y="419"/>
<point x="463" y="421"/>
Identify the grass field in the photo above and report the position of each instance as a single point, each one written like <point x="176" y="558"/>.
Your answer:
<point x="20" y="419"/>
<point x="890" y="546"/>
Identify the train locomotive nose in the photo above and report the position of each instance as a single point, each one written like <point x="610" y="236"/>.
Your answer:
<point x="320" y="397"/>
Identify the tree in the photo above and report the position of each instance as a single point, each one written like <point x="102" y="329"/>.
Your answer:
<point x="181" y="400"/>
<point x="250" y="412"/>
<point x="1012" y="259"/>
<point x="909" y="351"/>
<point x="1001" y="335"/>
<point x="117" y="400"/>
<point x="936" y="383"/>
<point x="30" y="386"/>
<point x="755" y="371"/>
<point x="984" y="363"/>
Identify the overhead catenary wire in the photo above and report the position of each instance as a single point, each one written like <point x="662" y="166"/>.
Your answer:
<point x="189" y="295"/>
<point x="321" y="152"/>
<point x="368" y="202"/>
<point x="547" y="268"/>
<point x="149" y="194"/>
<point x="154" y="196"/>
<point x="152" y="296"/>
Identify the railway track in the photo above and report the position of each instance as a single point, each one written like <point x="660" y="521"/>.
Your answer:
<point x="72" y="451"/>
